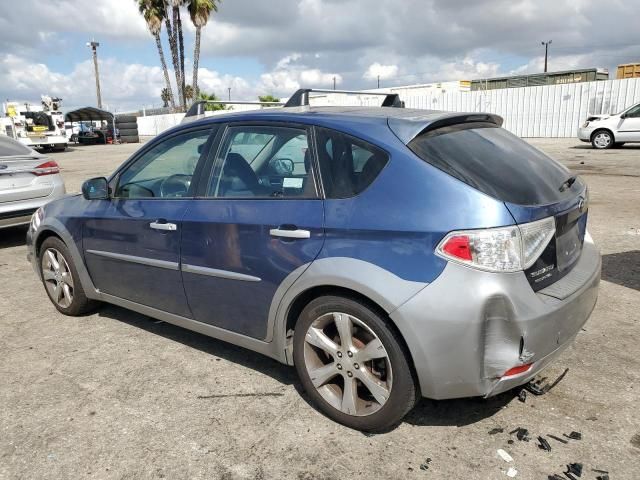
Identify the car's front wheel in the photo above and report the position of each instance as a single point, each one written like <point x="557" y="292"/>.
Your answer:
<point x="353" y="364"/>
<point x="60" y="278"/>
<point x="602" y="139"/>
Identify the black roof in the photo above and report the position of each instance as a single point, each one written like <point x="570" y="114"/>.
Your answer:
<point x="87" y="114"/>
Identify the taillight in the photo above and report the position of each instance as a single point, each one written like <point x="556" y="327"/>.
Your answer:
<point x="504" y="249"/>
<point x="46" y="168"/>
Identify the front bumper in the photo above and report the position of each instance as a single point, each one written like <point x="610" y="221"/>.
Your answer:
<point x="468" y="327"/>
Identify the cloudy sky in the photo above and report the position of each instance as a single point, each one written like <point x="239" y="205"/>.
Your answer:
<point x="259" y="47"/>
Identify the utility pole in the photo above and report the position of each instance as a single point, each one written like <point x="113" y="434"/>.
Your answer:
<point x="378" y="81"/>
<point x="334" y="82"/>
<point x="229" y="93"/>
<point x="94" y="49"/>
<point x="546" y="53"/>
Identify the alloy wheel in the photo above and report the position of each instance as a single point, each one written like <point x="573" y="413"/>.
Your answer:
<point x="347" y="364"/>
<point x="602" y="140"/>
<point x="57" y="276"/>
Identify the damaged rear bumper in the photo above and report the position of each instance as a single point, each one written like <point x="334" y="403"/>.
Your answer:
<point x="467" y="328"/>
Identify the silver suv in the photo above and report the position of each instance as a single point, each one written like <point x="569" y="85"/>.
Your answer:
<point x="28" y="180"/>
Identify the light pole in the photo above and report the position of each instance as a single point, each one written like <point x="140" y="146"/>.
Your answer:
<point x="94" y="49"/>
<point x="546" y="53"/>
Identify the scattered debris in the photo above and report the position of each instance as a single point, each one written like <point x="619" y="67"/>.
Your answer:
<point x="505" y="456"/>
<point x="599" y="471"/>
<point x="603" y="477"/>
<point x="425" y="465"/>
<point x="510" y="442"/>
<point x="521" y="433"/>
<point x="574" y="469"/>
<point x="493" y="431"/>
<point x="536" y="388"/>
<point x="522" y="396"/>
<point x="543" y="444"/>
<point x="561" y="440"/>
<point x="592" y="418"/>
<point x="512" y="472"/>
<point x="635" y="440"/>
<point x="574" y="436"/>
<point x="555" y="477"/>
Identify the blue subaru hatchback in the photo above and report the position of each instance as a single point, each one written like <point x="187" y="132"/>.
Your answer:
<point x="387" y="253"/>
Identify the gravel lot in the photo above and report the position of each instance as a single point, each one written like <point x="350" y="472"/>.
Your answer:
<point x="118" y="395"/>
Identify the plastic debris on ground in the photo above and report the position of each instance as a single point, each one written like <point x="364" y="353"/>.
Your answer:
<point x="543" y="444"/>
<point x="512" y="472"/>
<point x="505" y="456"/>
<point x="574" y="436"/>
<point x="561" y="440"/>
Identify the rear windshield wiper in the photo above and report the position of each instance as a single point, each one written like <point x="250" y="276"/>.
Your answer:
<point x="567" y="183"/>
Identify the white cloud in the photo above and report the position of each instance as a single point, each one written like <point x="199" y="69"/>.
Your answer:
<point x="291" y="74"/>
<point x="384" y="72"/>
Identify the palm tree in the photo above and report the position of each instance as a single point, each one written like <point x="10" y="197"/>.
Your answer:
<point x="173" y="45"/>
<point x="153" y="12"/>
<point x="200" y="10"/>
<point x="188" y="93"/>
<point x="165" y="96"/>
<point x="179" y="46"/>
<point x="212" y="106"/>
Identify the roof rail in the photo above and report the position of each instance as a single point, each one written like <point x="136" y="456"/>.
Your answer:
<point x="301" y="97"/>
<point x="197" y="108"/>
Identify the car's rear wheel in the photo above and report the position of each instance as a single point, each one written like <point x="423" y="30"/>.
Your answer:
<point x="602" y="139"/>
<point x="353" y="364"/>
<point x="60" y="278"/>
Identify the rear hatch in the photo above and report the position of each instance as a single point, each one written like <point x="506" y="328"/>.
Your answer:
<point x="23" y="172"/>
<point x="532" y="186"/>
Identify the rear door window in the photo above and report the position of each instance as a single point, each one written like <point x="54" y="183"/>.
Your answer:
<point x="348" y="165"/>
<point x="495" y="162"/>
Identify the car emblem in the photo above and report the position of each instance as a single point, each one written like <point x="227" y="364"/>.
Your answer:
<point x="3" y="167"/>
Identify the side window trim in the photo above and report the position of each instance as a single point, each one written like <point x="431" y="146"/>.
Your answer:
<point x="114" y="180"/>
<point x="217" y="162"/>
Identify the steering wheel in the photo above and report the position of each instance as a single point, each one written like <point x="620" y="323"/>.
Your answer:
<point x="175" y="185"/>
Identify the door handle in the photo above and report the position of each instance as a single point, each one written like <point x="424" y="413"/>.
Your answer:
<point x="167" y="227"/>
<point x="279" y="232"/>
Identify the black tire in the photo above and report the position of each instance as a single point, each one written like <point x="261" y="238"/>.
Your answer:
<point x="80" y="304"/>
<point x="125" y="118"/>
<point x="128" y="132"/>
<point x="404" y="391"/>
<point x="602" y="139"/>
<point x="130" y="139"/>
<point x="125" y="125"/>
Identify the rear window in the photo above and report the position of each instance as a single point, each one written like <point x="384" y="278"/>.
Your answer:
<point x="494" y="161"/>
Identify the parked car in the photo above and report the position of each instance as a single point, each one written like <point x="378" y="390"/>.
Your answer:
<point x="608" y="131"/>
<point x="387" y="253"/>
<point x="28" y="180"/>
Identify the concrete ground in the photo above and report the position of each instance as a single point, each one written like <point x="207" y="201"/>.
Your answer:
<point x="120" y="396"/>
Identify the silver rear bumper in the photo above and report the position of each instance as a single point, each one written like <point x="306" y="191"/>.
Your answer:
<point x="468" y="327"/>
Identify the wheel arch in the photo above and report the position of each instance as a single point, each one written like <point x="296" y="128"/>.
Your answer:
<point x="54" y="228"/>
<point x="296" y="306"/>
<point x="603" y="129"/>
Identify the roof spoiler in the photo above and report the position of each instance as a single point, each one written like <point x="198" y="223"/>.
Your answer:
<point x="301" y="97"/>
<point x="198" y="108"/>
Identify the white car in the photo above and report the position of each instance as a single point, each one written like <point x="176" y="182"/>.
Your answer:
<point x="607" y="131"/>
<point x="28" y="180"/>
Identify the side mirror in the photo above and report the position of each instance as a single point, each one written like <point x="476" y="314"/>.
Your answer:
<point x="624" y="115"/>
<point x="96" y="189"/>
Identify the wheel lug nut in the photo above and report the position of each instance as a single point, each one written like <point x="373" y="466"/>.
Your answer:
<point x="349" y="374"/>
<point x="339" y="367"/>
<point x="339" y="354"/>
<point x="350" y="353"/>
<point x="356" y="366"/>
